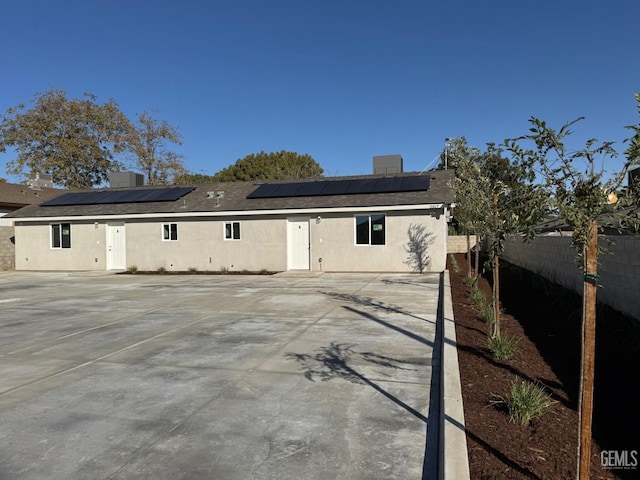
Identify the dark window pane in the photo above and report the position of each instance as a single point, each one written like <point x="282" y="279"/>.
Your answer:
<point x="227" y="231"/>
<point x="174" y="231"/>
<point x="55" y="235"/>
<point x="362" y="230"/>
<point x="165" y="231"/>
<point x="236" y="230"/>
<point x="377" y="230"/>
<point x="66" y="235"/>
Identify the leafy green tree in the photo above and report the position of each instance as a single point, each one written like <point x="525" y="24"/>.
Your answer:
<point x="189" y="178"/>
<point x="578" y="191"/>
<point x="516" y="207"/>
<point x="148" y="142"/>
<point x="493" y="201"/>
<point x="74" y="140"/>
<point x="270" y="166"/>
<point x="455" y="150"/>
<point x="473" y="201"/>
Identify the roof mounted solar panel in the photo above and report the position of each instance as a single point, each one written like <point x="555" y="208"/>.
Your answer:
<point x="361" y="186"/>
<point x="337" y="187"/>
<point x="410" y="184"/>
<point x="100" y="197"/>
<point x="313" y="189"/>
<point x="342" y="187"/>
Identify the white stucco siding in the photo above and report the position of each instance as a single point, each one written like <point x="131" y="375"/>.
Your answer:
<point x="34" y="252"/>
<point x="333" y="240"/>
<point x="201" y="244"/>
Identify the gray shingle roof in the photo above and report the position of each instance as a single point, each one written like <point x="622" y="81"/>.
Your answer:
<point x="235" y="200"/>
<point x="13" y="195"/>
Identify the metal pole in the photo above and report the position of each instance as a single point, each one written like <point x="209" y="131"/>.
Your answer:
<point x="446" y="151"/>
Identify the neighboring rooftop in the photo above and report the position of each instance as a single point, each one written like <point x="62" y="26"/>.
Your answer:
<point x="14" y="196"/>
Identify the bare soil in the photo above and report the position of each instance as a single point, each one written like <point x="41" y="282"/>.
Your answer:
<point x="546" y="319"/>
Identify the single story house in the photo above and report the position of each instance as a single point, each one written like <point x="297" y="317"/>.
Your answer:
<point x="337" y="224"/>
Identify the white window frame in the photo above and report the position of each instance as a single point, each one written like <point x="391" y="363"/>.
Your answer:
<point x="370" y="231"/>
<point x="162" y="232"/>
<point x="232" y="238"/>
<point x="60" y="236"/>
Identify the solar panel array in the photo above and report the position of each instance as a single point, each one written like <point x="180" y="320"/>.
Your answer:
<point x="99" y="197"/>
<point x="341" y="187"/>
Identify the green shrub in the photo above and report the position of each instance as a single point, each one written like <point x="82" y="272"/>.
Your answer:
<point x="224" y="270"/>
<point x="477" y="296"/>
<point x="526" y="401"/>
<point x="503" y="347"/>
<point x="471" y="281"/>
<point x="132" y="269"/>
<point x="264" y="271"/>
<point x="486" y="313"/>
<point x="193" y="269"/>
<point x="161" y="270"/>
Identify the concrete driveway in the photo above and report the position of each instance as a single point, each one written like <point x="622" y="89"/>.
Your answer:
<point x="218" y="377"/>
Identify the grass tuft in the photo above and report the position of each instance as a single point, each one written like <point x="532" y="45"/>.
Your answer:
<point x="132" y="269"/>
<point x="486" y="313"/>
<point x="477" y="296"/>
<point x="526" y="401"/>
<point x="503" y="347"/>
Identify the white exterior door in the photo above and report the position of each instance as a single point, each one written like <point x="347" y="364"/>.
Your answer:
<point x="116" y="256"/>
<point x="298" y="244"/>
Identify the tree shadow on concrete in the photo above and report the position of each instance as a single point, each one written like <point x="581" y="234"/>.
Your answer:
<point x="335" y="361"/>
<point x="417" y="248"/>
<point x="375" y="304"/>
<point x="415" y="281"/>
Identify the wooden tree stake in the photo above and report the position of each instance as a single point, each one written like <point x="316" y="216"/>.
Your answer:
<point x="587" y="364"/>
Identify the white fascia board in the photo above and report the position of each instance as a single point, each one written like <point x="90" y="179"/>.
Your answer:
<point x="237" y="213"/>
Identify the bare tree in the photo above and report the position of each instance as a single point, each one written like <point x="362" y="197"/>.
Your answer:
<point x="148" y="142"/>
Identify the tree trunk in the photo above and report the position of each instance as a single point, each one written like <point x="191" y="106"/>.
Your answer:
<point x="468" y="255"/>
<point x="496" y="296"/>
<point x="477" y="270"/>
<point x="587" y="363"/>
<point x="496" y="275"/>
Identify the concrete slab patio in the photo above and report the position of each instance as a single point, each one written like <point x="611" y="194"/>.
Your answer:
<point x="219" y="377"/>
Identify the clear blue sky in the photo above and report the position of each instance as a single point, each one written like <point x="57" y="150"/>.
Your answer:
<point x="340" y="80"/>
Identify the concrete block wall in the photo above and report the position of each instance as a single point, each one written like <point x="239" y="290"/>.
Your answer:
<point x="553" y="257"/>
<point x="7" y="249"/>
<point x="458" y="243"/>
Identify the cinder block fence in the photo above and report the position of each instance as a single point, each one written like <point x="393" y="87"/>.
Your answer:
<point x="458" y="243"/>
<point x="7" y="249"/>
<point x="553" y="258"/>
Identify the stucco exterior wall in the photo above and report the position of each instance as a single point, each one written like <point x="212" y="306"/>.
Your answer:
<point x="262" y="245"/>
<point x="333" y="240"/>
<point x="201" y="244"/>
<point x="34" y="252"/>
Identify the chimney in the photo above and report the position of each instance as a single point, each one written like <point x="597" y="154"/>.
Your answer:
<point x="126" y="179"/>
<point x="386" y="164"/>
